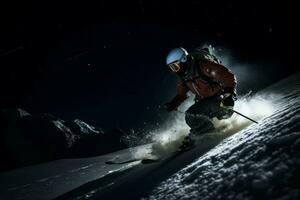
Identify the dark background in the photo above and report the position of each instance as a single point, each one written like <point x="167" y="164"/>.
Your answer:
<point x="104" y="62"/>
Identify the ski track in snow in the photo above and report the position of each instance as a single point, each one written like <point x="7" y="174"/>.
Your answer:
<point x="29" y="183"/>
<point x="258" y="162"/>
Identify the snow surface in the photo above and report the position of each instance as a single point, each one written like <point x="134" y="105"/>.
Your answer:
<point x="169" y="136"/>
<point x="262" y="161"/>
<point x="50" y="180"/>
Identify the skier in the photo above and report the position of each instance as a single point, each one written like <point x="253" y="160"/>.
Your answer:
<point x="212" y="83"/>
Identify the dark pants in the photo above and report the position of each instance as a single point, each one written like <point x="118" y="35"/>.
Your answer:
<point x="199" y="116"/>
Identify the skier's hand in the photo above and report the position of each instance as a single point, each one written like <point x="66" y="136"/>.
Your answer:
<point x="227" y="100"/>
<point x="170" y="106"/>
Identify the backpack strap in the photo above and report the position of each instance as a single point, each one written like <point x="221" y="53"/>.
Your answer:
<point x="203" y="54"/>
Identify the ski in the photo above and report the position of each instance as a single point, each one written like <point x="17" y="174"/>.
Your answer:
<point x="143" y="161"/>
<point x="150" y="160"/>
<point x="112" y="162"/>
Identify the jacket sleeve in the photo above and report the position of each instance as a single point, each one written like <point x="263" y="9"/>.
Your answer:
<point x="181" y="95"/>
<point x="221" y="75"/>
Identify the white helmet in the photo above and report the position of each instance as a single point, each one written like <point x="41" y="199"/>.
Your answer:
<point x="177" y="55"/>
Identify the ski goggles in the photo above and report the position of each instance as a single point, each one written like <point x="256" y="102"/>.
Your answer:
<point x="175" y="66"/>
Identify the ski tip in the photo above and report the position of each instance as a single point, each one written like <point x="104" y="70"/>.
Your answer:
<point x="110" y="162"/>
<point x="114" y="162"/>
<point x="147" y="161"/>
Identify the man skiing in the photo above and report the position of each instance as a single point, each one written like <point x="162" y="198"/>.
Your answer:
<point x="212" y="83"/>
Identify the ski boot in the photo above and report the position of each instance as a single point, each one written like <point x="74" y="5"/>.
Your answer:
<point x="187" y="144"/>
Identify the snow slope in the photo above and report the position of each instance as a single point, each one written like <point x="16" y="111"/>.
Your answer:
<point x="261" y="161"/>
<point x="49" y="180"/>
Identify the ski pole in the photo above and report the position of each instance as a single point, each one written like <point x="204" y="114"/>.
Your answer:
<point x="222" y="105"/>
<point x="179" y="111"/>
<point x="243" y="115"/>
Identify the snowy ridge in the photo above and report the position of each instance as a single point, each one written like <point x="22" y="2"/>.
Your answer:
<point x="86" y="128"/>
<point x="262" y="161"/>
<point x="70" y="137"/>
<point x="23" y="113"/>
<point x="29" y="139"/>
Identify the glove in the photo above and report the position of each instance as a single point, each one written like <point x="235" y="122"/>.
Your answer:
<point x="227" y="100"/>
<point x="170" y="106"/>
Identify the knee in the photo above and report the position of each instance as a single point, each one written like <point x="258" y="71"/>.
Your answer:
<point x="224" y="114"/>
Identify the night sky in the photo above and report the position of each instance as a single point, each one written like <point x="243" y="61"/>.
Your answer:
<point x="105" y="63"/>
